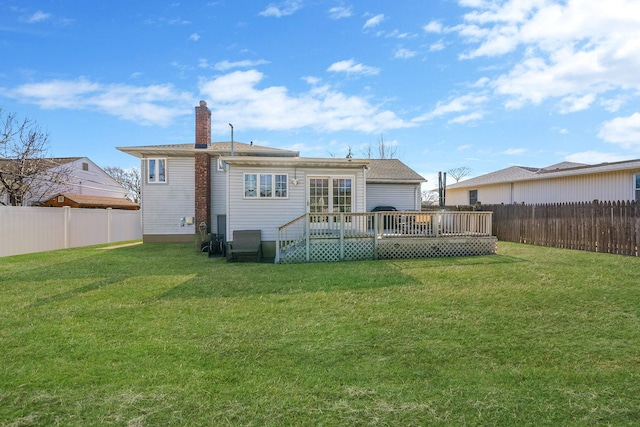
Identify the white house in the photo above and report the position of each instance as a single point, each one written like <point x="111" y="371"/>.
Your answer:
<point x="220" y="187"/>
<point x="563" y="182"/>
<point x="74" y="175"/>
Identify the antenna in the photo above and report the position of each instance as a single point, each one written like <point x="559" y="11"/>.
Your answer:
<point x="231" y="139"/>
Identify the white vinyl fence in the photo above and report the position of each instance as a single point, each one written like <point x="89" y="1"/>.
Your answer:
<point x="25" y="230"/>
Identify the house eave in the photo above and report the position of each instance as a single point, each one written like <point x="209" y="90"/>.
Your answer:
<point x="294" y="162"/>
<point x="395" y="181"/>
<point x="190" y="150"/>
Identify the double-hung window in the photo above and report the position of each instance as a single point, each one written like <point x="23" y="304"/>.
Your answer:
<point x="156" y="171"/>
<point x="638" y="187"/>
<point x="265" y="185"/>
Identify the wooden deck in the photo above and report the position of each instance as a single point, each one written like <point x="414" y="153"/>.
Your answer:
<point x="384" y="235"/>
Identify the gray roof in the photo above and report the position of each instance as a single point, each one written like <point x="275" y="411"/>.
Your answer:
<point x="380" y="171"/>
<point x="522" y="173"/>
<point x="215" y="148"/>
<point x="391" y="171"/>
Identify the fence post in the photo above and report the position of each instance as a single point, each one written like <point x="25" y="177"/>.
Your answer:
<point x="109" y="228"/>
<point x="66" y="218"/>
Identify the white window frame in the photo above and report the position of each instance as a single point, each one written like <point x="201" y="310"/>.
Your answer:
<point x="156" y="170"/>
<point x="259" y="179"/>
<point x="637" y="186"/>
<point x="329" y="203"/>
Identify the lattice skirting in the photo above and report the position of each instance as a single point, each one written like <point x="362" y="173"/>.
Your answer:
<point x="436" y="247"/>
<point x="328" y="250"/>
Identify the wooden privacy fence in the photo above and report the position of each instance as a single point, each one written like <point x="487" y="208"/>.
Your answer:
<point x="609" y="227"/>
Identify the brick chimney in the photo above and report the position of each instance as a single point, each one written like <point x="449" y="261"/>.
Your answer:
<point x="202" y="168"/>
<point x="203" y="125"/>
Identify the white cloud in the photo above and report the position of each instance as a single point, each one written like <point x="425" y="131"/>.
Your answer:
<point x="340" y="12"/>
<point x="373" y="21"/>
<point x="437" y="46"/>
<point x="38" y="16"/>
<point x="457" y="105"/>
<point x="349" y="66"/>
<point x="403" y="53"/>
<point x="156" y="104"/>
<point x="623" y="131"/>
<point x="573" y="50"/>
<point x="571" y="104"/>
<point x="194" y="37"/>
<point x="237" y="95"/>
<point x="227" y="65"/>
<point x="614" y="104"/>
<point x="285" y="8"/>
<point x="595" y="157"/>
<point x="433" y="27"/>
<point x="178" y="21"/>
<point x="466" y="118"/>
<point x="514" y="151"/>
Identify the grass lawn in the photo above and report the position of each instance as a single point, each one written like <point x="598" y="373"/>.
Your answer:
<point x="162" y="335"/>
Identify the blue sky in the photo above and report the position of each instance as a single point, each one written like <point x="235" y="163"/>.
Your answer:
<point x="484" y="84"/>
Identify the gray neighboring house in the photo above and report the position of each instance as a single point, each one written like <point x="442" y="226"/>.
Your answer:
<point x="219" y="187"/>
<point x="560" y="183"/>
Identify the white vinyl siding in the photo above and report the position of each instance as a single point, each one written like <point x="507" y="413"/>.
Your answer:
<point x="267" y="214"/>
<point x="163" y="206"/>
<point x="404" y="197"/>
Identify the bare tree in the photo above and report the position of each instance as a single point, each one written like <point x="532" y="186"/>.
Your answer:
<point x="385" y="150"/>
<point x="459" y="173"/>
<point x="27" y="175"/>
<point x="128" y="178"/>
<point x="429" y="198"/>
<point x="349" y="152"/>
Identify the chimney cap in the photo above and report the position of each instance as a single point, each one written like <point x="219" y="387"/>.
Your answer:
<point x="203" y="103"/>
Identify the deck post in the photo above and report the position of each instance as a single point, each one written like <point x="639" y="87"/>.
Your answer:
<point x="307" y="237"/>
<point x="375" y="236"/>
<point x="341" y="236"/>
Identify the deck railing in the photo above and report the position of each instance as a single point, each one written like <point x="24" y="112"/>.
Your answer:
<point x="381" y="225"/>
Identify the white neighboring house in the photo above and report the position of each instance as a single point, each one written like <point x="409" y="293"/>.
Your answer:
<point x="80" y="176"/>
<point x="559" y="183"/>
<point x="227" y="186"/>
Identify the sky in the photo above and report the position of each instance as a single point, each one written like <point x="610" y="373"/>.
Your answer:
<point x="483" y="84"/>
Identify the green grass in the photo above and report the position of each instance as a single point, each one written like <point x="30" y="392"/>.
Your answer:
<point x="162" y="335"/>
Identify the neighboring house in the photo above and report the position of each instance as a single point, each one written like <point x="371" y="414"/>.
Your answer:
<point x="220" y="187"/>
<point x="88" y="201"/>
<point x="560" y="183"/>
<point x="74" y="175"/>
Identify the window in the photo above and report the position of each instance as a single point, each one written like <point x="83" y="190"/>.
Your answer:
<point x="156" y="170"/>
<point x="85" y="166"/>
<point x="638" y="187"/>
<point x="473" y="197"/>
<point x="263" y="185"/>
<point x="342" y="194"/>
<point x="281" y="186"/>
<point x="334" y="195"/>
